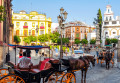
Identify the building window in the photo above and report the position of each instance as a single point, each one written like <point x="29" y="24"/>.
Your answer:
<point x="17" y="24"/>
<point x="33" y="32"/>
<point x="106" y="32"/>
<point x="106" y="23"/>
<point x="113" y="22"/>
<point x="42" y="24"/>
<point x="17" y="32"/>
<point x="49" y="25"/>
<point x="77" y="29"/>
<point x="106" y="18"/>
<point x="41" y="32"/>
<point x="108" y="11"/>
<point x="25" y="32"/>
<point x="114" y="32"/>
<point x="33" y="24"/>
<point x="25" y="24"/>
<point x="110" y="18"/>
<point x="77" y="34"/>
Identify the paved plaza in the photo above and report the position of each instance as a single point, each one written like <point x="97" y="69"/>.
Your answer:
<point x="95" y="74"/>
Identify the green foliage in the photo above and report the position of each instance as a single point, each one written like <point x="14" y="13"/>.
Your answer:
<point x="32" y="38"/>
<point x="17" y="39"/>
<point x="64" y="48"/>
<point x="54" y="37"/>
<point x="114" y="40"/>
<point x="99" y="21"/>
<point x="84" y="41"/>
<point x="68" y="49"/>
<point x="64" y="41"/>
<point x="92" y="41"/>
<point x="2" y="13"/>
<point x="77" y="41"/>
<point x="108" y="41"/>
<point x="26" y="40"/>
<point x="43" y="38"/>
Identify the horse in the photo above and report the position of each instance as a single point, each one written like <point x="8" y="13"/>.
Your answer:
<point x="108" y="58"/>
<point x="82" y="63"/>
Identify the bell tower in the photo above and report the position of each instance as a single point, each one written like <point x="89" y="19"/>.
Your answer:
<point x="108" y="15"/>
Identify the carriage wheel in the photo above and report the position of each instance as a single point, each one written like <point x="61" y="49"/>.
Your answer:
<point x="52" y="79"/>
<point x="3" y="72"/>
<point x="11" y="79"/>
<point x="68" y="78"/>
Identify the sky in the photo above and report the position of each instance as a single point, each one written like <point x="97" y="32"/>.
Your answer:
<point x="78" y="10"/>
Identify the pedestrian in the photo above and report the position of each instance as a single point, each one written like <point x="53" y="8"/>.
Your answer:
<point x="36" y="50"/>
<point x="66" y="51"/>
<point x="56" y="50"/>
<point x="97" y="51"/>
<point x="28" y="53"/>
<point x="21" y="53"/>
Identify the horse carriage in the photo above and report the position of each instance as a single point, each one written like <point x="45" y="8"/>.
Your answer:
<point x="50" y="70"/>
<point x="106" y="56"/>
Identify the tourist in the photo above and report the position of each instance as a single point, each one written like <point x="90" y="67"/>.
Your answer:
<point x="24" y="62"/>
<point x="28" y="53"/>
<point x="21" y="53"/>
<point x="97" y="51"/>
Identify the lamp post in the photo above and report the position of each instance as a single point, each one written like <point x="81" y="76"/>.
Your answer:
<point x="29" y="32"/>
<point x="61" y="19"/>
<point x="37" y="33"/>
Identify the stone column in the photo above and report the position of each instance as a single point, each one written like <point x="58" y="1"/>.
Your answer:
<point x="97" y="35"/>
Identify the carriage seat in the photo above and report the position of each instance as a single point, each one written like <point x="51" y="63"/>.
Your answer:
<point x="43" y="65"/>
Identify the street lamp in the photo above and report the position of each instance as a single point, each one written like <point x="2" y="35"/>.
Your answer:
<point x="29" y="32"/>
<point x="37" y="33"/>
<point x="61" y="19"/>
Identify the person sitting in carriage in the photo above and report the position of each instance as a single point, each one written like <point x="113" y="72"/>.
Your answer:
<point x="24" y="62"/>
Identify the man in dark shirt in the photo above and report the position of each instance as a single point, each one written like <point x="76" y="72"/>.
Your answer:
<point x="28" y="53"/>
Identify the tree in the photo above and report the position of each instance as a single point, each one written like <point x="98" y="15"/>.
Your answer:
<point x="41" y="38"/>
<point x="2" y="13"/>
<point x="98" y="20"/>
<point x="108" y="41"/>
<point x="84" y="41"/>
<point x="55" y="37"/>
<point x="114" y="40"/>
<point x="17" y="39"/>
<point x="77" y="41"/>
<point x="92" y="41"/>
<point x="32" y="38"/>
<point x="26" y="40"/>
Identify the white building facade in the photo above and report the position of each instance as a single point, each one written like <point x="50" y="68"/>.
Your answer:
<point x="111" y="25"/>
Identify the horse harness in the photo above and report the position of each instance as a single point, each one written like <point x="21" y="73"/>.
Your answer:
<point x="83" y="59"/>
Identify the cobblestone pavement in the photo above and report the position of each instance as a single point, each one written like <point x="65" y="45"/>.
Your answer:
<point x="96" y="74"/>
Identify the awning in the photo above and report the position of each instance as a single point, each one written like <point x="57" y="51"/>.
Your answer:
<point x="28" y="47"/>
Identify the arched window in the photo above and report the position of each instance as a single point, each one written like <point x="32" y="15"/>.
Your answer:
<point x="33" y="32"/>
<point x="17" y="32"/>
<point x="25" y="24"/>
<point x="108" y="11"/>
<point x="110" y="18"/>
<point x="106" y="18"/>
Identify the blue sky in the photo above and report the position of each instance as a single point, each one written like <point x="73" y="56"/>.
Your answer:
<point x="78" y="10"/>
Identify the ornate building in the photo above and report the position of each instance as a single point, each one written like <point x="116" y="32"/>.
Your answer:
<point x="75" y="30"/>
<point x="33" y="23"/>
<point x="111" y="25"/>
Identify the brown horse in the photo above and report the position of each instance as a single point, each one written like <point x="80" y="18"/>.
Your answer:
<point x="80" y="64"/>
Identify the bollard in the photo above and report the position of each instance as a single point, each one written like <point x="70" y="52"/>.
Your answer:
<point x="7" y="57"/>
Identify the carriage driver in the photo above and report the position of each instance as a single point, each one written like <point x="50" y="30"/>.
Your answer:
<point x="24" y="62"/>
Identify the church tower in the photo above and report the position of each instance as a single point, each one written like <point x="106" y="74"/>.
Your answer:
<point x="108" y="15"/>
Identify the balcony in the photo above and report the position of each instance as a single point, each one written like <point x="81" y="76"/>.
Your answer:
<point x="41" y="27"/>
<point x="25" y="26"/>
